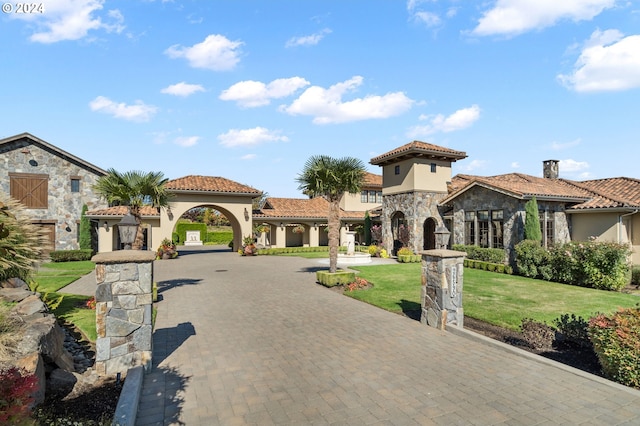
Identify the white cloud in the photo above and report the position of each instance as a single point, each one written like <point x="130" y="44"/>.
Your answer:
<point x="515" y="165"/>
<point x="557" y="146"/>
<point x="250" y="137"/>
<point x="186" y="141"/>
<point x="474" y="165"/>
<point x="572" y="166"/>
<point x="513" y="17"/>
<point x="248" y="157"/>
<point x="182" y="89"/>
<point x="459" y="120"/>
<point x="608" y="62"/>
<point x="251" y="93"/>
<point x="216" y="53"/>
<point x="428" y="18"/>
<point x="71" y="20"/>
<point x="327" y="106"/>
<point x="309" y="40"/>
<point x="139" y="111"/>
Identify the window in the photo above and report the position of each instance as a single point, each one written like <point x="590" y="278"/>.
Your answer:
<point x="75" y="184"/>
<point x="470" y="228"/>
<point x="396" y="170"/>
<point x="497" y="227"/>
<point x="32" y="190"/>
<point x="379" y="197"/>
<point x="547" y="228"/>
<point x="363" y="196"/>
<point x="433" y="167"/>
<point x="483" y="228"/>
<point x="372" y="196"/>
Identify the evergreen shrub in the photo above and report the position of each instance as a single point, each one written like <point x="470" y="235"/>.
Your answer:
<point x="70" y="255"/>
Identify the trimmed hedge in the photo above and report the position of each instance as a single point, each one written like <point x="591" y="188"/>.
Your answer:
<point x="500" y="268"/>
<point x="183" y="227"/>
<point x="329" y="279"/>
<point x="70" y="255"/>
<point x="218" y="237"/>
<point x="493" y="255"/>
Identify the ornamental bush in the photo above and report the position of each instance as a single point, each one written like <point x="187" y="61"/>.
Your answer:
<point x="16" y="396"/>
<point x="530" y="255"/>
<point x="616" y="341"/>
<point x="70" y="255"/>
<point x="492" y="255"/>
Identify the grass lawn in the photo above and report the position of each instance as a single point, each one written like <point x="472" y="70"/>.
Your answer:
<point x="52" y="277"/>
<point x="499" y="299"/>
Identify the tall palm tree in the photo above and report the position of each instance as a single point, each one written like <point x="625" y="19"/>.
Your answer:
<point x="331" y="178"/>
<point x="134" y="189"/>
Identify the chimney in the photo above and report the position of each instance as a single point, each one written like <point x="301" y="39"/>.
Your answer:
<point x="550" y="169"/>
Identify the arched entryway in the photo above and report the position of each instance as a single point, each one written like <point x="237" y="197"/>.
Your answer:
<point x="399" y="231"/>
<point x="429" y="236"/>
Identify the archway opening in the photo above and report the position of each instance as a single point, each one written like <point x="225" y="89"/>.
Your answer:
<point x="214" y="226"/>
<point x="399" y="232"/>
<point x="429" y="234"/>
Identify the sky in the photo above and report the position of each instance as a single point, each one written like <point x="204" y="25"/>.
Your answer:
<point x="249" y="90"/>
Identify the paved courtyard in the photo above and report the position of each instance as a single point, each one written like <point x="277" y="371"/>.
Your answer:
<point x="253" y="340"/>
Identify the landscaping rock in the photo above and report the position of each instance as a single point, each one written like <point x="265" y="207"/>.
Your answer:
<point x="12" y="295"/>
<point x="33" y="364"/>
<point x="14" y="283"/>
<point x="30" y="306"/>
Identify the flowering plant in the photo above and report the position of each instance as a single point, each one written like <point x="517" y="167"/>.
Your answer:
<point x="298" y="229"/>
<point x="91" y="303"/>
<point x="167" y="250"/>
<point x="358" y="284"/>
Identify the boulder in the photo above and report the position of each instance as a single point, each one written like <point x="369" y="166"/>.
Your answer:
<point x="11" y="294"/>
<point x="33" y="364"/>
<point x="30" y="306"/>
<point x="14" y="283"/>
<point x="43" y="335"/>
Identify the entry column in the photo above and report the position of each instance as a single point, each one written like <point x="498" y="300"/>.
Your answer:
<point x="441" y="298"/>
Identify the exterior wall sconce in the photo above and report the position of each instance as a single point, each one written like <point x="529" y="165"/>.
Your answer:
<point x="105" y="225"/>
<point x="315" y="225"/>
<point x="281" y="225"/>
<point x="246" y="214"/>
<point x="169" y="213"/>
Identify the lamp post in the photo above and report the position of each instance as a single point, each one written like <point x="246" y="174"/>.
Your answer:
<point x="127" y="227"/>
<point x="442" y="237"/>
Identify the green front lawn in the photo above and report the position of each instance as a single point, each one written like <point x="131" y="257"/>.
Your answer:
<point x="52" y="277"/>
<point x="499" y="299"/>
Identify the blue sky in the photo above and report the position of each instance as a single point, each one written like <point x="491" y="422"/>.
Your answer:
<point x="249" y="90"/>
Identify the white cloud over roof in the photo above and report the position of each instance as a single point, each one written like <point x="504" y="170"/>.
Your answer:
<point x="608" y="62"/>
<point x="215" y="52"/>
<point x="139" y="111"/>
<point x="250" y="94"/>
<point x="461" y="119"/>
<point x="327" y="105"/>
<point x="250" y="137"/>
<point x="513" y="17"/>
<point x="309" y="40"/>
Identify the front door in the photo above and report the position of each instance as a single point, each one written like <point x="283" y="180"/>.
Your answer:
<point x="429" y="236"/>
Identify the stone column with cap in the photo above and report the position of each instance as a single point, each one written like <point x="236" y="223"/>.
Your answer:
<point x="441" y="296"/>
<point x="123" y="310"/>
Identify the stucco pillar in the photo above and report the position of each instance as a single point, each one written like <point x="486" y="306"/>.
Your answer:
<point x="123" y="310"/>
<point x="314" y="236"/>
<point x="441" y="296"/>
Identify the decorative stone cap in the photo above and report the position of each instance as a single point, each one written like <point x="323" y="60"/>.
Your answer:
<point x="443" y="253"/>
<point x="125" y="256"/>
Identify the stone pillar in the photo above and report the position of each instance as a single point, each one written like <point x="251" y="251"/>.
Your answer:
<point x="441" y="298"/>
<point x="123" y="310"/>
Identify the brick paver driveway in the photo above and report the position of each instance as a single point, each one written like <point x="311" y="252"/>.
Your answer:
<point x="253" y="340"/>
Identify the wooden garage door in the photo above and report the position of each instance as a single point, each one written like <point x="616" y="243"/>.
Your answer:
<point x="31" y="190"/>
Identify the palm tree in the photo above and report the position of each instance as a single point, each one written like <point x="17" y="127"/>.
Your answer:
<point x="331" y="178"/>
<point x="134" y="189"/>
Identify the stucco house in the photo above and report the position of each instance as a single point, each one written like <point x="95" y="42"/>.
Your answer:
<point x="51" y="183"/>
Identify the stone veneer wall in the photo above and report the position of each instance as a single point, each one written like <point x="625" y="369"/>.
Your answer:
<point x="479" y="198"/>
<point x="417" y="207"/>
<point x="64" y="206"/>
<point x="123" y="310"/>
<point x="442" y="283"/>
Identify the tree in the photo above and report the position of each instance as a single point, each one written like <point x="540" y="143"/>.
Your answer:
<point x="85" y="229"/>
<point x="22" y="244"/>
<point x="367" y="228"/>
<point x="134" y="189"/>
<point x="331" y="178"/>
<point x="532" y="221"/>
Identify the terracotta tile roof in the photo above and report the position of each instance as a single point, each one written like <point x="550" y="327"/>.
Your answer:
<point x="372" y="180"/>
<point x="418" y="149"/>
<point x="209" y="184"/>
<point x="521" y="186"/>
<point x="611" y="193"/>
<point x="302" y="208"/>
<point x="146" y="211"/>
<point x="599" y="193"/>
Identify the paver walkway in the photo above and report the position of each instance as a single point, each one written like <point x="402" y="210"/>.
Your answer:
<point x="253" y="340"/>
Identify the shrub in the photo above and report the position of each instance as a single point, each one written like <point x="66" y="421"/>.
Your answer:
<point x="218" y="237"/>
<point x="493" y="255"/>
<point x="85" y="230"/>
<point x="537" y="335"/>
<point x="175" y="237"/>
<point x="616" y="341"/>
<point x="635" y="275"/>
<point x="183" y="227"/>
<point x="405" y="251"/>
<point x="529" y="256"/>
<point x="574" y="330"/>
<point x="532" y="229"/>
<point x="16" y="395"/>
<point x="357" y="284"/>
<point x="71" y="255"/>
